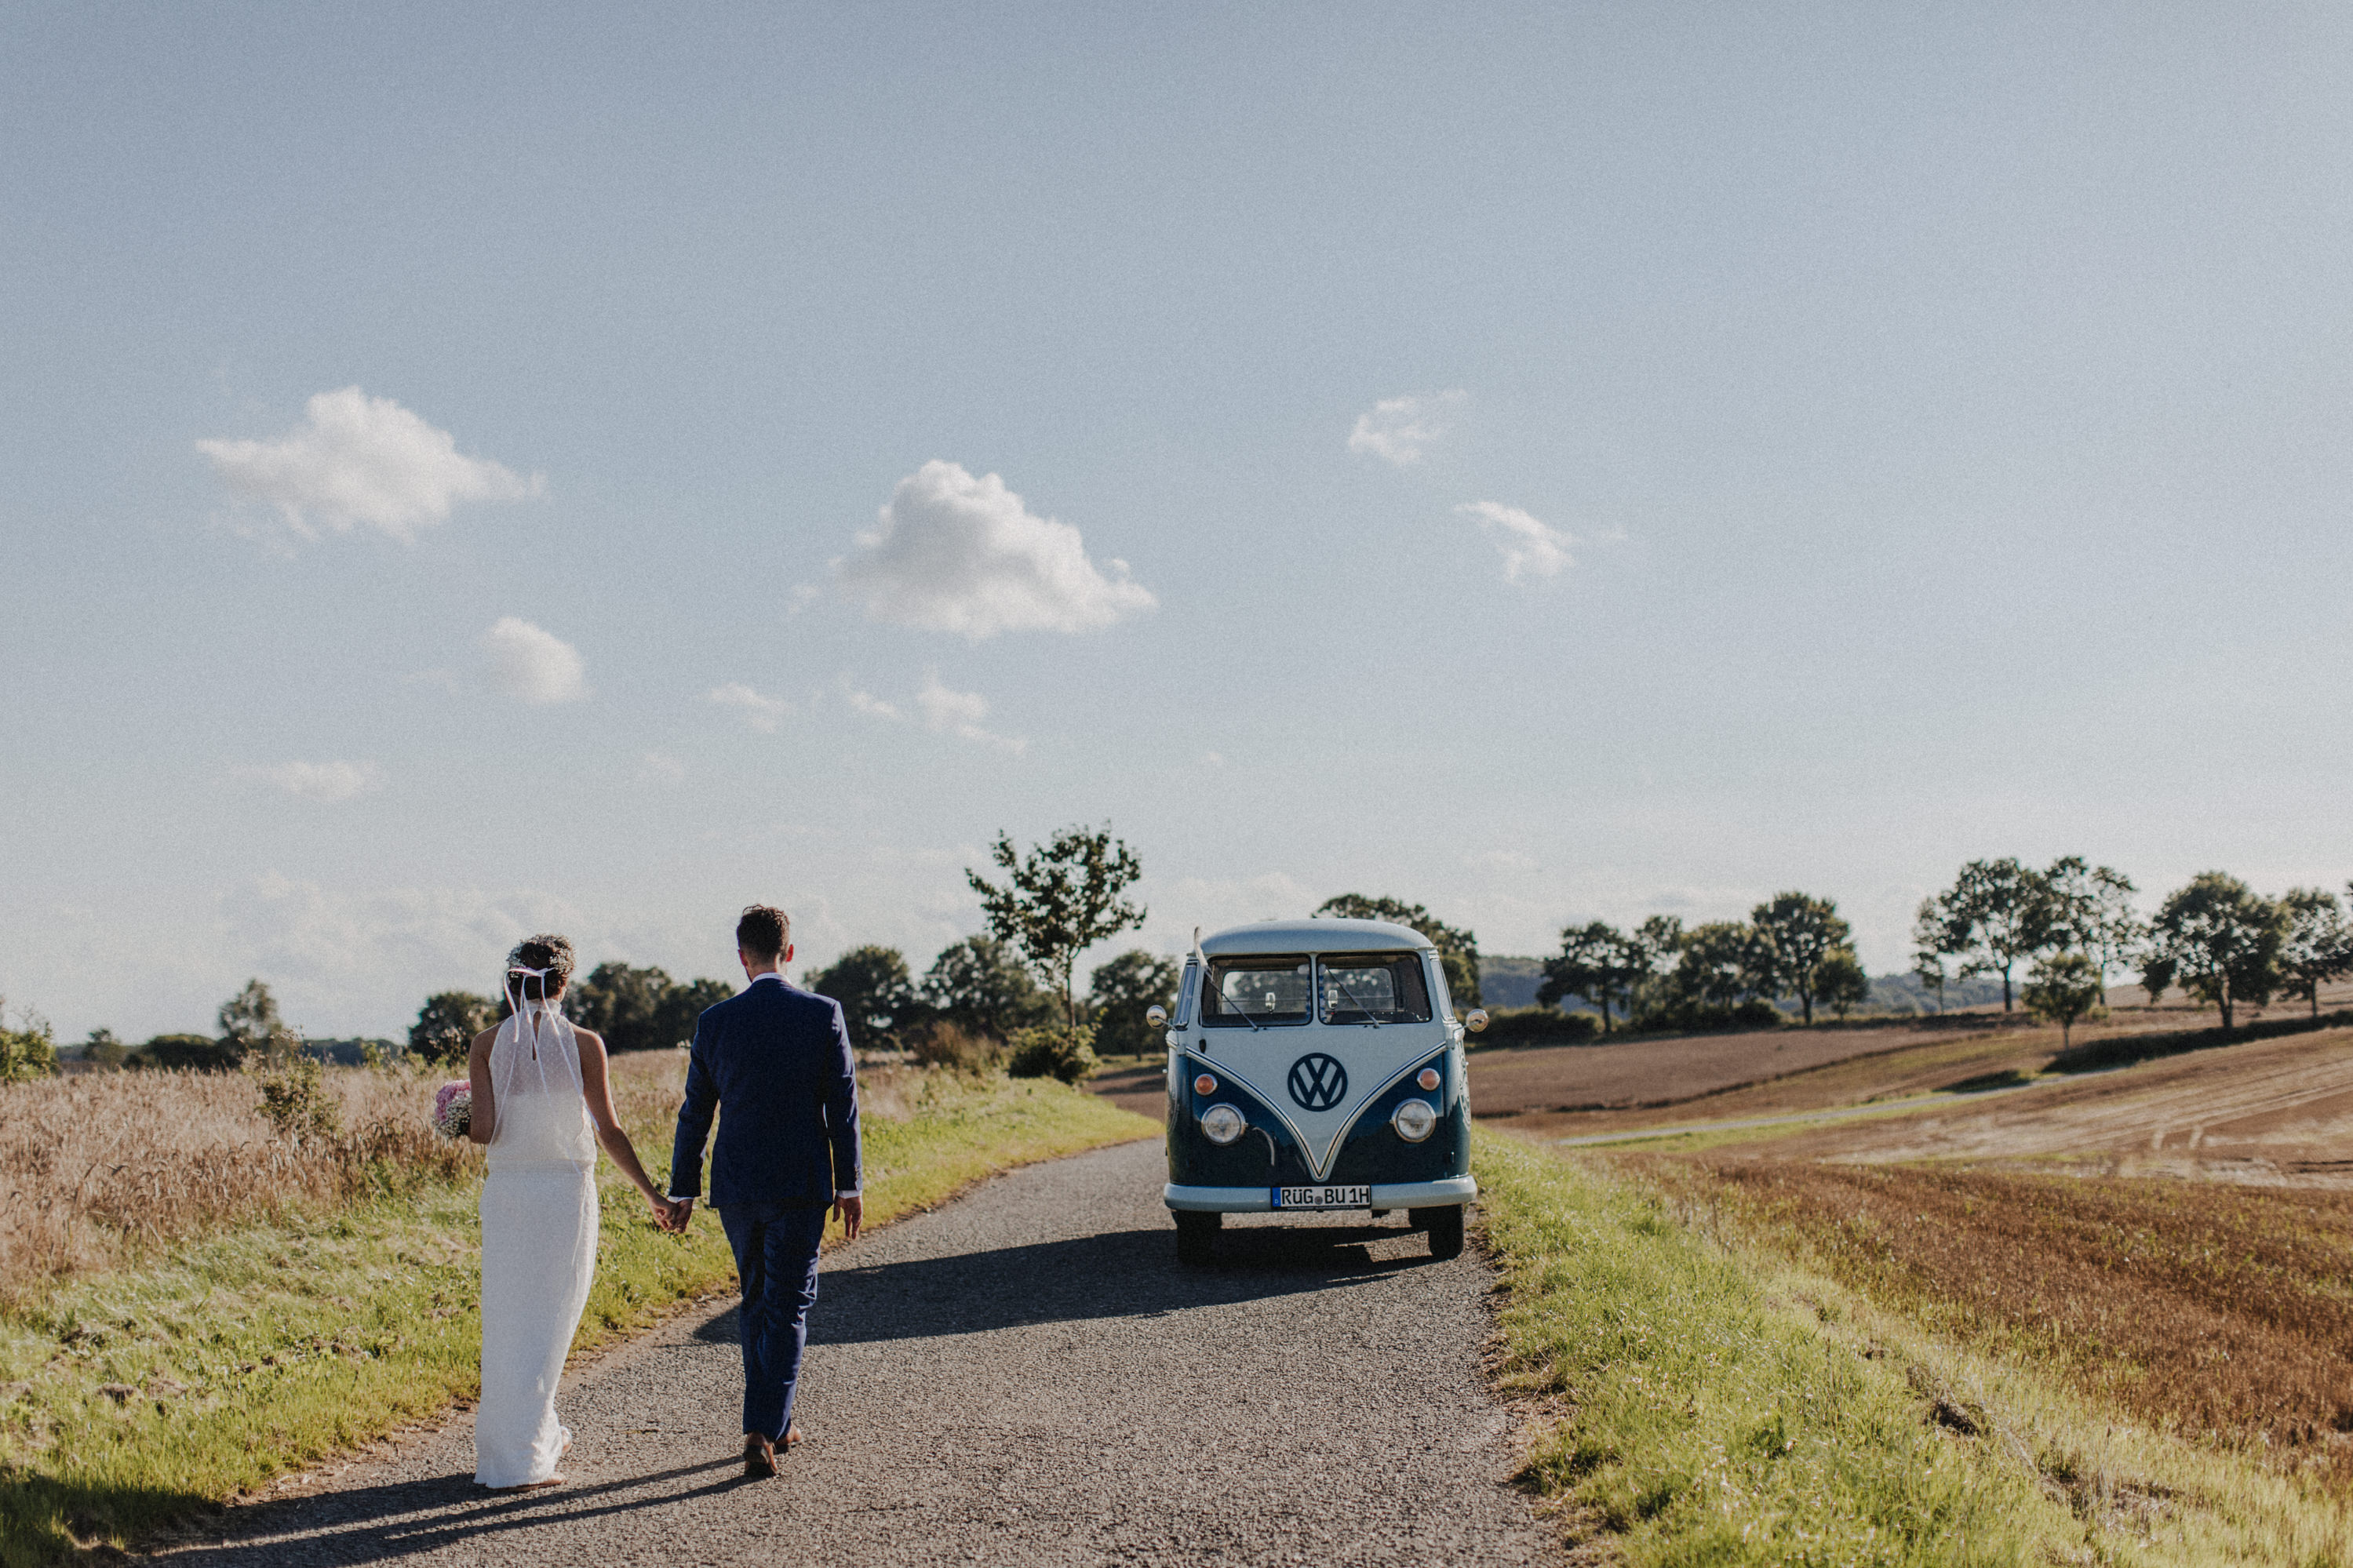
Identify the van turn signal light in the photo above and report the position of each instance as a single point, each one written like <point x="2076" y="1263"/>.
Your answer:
<point x="1428" y="1078"/>
<point x="1205" y="1084"/>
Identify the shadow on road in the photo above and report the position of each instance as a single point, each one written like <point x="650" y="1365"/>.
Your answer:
<point x="366" y="1525"/>
<point x="1115" y="1274"/>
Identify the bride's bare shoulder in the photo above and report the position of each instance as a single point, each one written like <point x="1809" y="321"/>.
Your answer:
<point x="589" y="1037"/>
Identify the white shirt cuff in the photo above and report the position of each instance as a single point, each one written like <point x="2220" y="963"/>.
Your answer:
<point x="851" y="1193"/>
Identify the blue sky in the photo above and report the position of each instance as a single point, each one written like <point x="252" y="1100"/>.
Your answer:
<point x="1803" y="447"/>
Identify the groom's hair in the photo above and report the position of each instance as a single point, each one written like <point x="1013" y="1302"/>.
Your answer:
<point x="765" y="932"/>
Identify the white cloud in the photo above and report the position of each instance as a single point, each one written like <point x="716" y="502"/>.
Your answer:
<point x="951" y="712"/>
<point x="955" y="553"/>
<point x="873" y="707"/>
<point x="317" y="781"/>
<point x="762" y="713"/>
<point x="662" y="767"/>
<point x="1399" y="430"/>
<point x="532" y="665"/>
<point x="359" y="460"/>
<point x="1529" y="548"/>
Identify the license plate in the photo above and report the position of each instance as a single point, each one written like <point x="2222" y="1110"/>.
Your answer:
<point x="1323" y="1197"/>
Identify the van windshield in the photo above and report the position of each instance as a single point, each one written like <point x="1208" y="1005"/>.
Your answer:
<point x="1257" y="990"/>
<point x="1376" y="988"/>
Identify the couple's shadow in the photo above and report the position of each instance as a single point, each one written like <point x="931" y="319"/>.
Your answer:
<point x="1112" y="1274"/>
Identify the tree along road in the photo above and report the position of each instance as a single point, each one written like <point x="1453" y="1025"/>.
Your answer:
<point x="1023" y="1376"/>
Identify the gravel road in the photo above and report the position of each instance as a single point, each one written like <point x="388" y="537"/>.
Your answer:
<point x="1024" y="1376"/>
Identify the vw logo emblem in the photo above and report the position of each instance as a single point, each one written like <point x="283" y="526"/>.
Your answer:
<point x="1317" y="1082"/>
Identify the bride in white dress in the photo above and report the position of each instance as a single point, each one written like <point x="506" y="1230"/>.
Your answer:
<point x="543" y="1105"/>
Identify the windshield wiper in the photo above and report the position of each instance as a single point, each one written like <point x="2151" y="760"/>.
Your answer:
<point x="1239" y="1013"/>
<point x="1341" y="987"/>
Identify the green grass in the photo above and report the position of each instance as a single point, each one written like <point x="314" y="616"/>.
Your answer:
<point x="1718" y="1405"/>
<point x="130" y="1399"/>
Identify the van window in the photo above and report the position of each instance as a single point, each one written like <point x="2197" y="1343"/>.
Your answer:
<point x="1255" y="990"/>
<point x="1379" y="989"/>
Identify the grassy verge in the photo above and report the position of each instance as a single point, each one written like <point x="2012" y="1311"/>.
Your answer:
<point x="1723" y="1406"/>
<point x="132" y="1397"/>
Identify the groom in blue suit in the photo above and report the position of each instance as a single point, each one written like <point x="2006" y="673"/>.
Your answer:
<point x="776" y="1061"/>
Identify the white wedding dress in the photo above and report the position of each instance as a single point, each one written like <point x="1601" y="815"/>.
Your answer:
<point x="539" y="1243"/>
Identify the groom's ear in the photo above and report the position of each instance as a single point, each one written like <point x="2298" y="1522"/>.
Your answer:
<point x="787" y="958"/>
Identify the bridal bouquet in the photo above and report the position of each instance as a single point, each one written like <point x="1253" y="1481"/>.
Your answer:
<point x="453" y="1108"/>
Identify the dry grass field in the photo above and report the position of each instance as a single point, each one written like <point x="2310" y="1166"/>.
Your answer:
<point x="2215" y="1309"/>
<point x="100" y="1168"/>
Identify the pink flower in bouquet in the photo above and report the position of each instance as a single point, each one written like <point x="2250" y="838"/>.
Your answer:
<point x="453" y="1108"/>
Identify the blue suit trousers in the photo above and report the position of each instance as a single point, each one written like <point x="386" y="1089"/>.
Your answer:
<point x="776" y="1257"/>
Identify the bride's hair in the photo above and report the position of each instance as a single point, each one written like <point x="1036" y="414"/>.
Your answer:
<point x="545" y="951"/>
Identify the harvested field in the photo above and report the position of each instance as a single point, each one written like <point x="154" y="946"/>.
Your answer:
<point x="1727" y="1077"/>
<point x="2213" y="1309"/>
<point x="2272" y="1112"/>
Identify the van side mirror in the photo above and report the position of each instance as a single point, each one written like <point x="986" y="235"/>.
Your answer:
<point x="1155" y="1016"/>
<point x="1476" y="1021"/>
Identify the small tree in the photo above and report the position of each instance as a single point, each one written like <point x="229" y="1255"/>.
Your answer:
<point x="1840" y="983"/>
<point x="1651" y="947"/>
<point x="2218" y="940"/>
<point x="2090" y="911"/>
<point x="102" y="1049"/>
<point x="1059" y="900"/>
<point x="26" y="1052"/>
<point x="250" y="1023"/>
<point x="1720" y="965"/>
<point x="1122" y="991"/>
<point x="446" y="1025"/>
<point x="874" y="989"/>
<point x="1795" y="933"/>
<point x="619" y="1002"/>
<point x="1929" y="926"/>
<point x="1593" y="967"/>
<point x="680" y="1006"/>
<point x="1997" y="912"/>
<point x="2065" y="989"/>
<point x="1458" y="950"/>
<point x="2317" y="946"/>
<point x="978" y="985"/>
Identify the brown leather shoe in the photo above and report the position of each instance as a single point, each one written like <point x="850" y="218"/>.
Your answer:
<point x="759" y="1458"/>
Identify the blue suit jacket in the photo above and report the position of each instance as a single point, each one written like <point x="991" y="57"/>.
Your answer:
<point x="776" y="1060"/>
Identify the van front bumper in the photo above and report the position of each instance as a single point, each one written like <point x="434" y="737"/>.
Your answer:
<point x="1453" y="1191"/>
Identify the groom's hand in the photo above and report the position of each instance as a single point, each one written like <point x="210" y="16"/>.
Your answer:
<point x="680" y="1211"/>
<point x="852" y="1213"/>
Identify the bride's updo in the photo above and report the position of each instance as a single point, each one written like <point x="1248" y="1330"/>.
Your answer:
<point x="548" y="952"/>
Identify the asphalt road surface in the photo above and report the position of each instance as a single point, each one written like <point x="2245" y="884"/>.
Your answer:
<point x="1024" y="1376"/>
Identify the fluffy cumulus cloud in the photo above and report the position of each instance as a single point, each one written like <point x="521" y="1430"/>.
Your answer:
<point x="530" y="665"/>
<point x="947" y="711"/>
<point x="1529" y="548"/>
<point x="358" y="461"/>
<point x="317" y="781"/>
<point x="954" y="554"/>
<point x="1399" y="430"/>
<point x="759" y="712"/>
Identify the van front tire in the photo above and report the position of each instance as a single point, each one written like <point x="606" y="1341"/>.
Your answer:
<point x="1445" y="1227"/>
<point x="1197" y="1237"/>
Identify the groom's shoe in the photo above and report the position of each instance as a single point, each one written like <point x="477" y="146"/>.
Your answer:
<point x="759" y="1458"/>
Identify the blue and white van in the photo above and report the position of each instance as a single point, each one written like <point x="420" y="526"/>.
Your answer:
<point x="1317" y="1064"/>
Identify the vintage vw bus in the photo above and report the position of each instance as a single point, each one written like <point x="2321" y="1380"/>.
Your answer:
<point x="1317" y="1064"/>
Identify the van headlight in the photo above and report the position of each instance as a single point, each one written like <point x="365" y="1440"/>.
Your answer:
<point x="1414" y="1120"/>
<point x="1223" y="1124"/>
